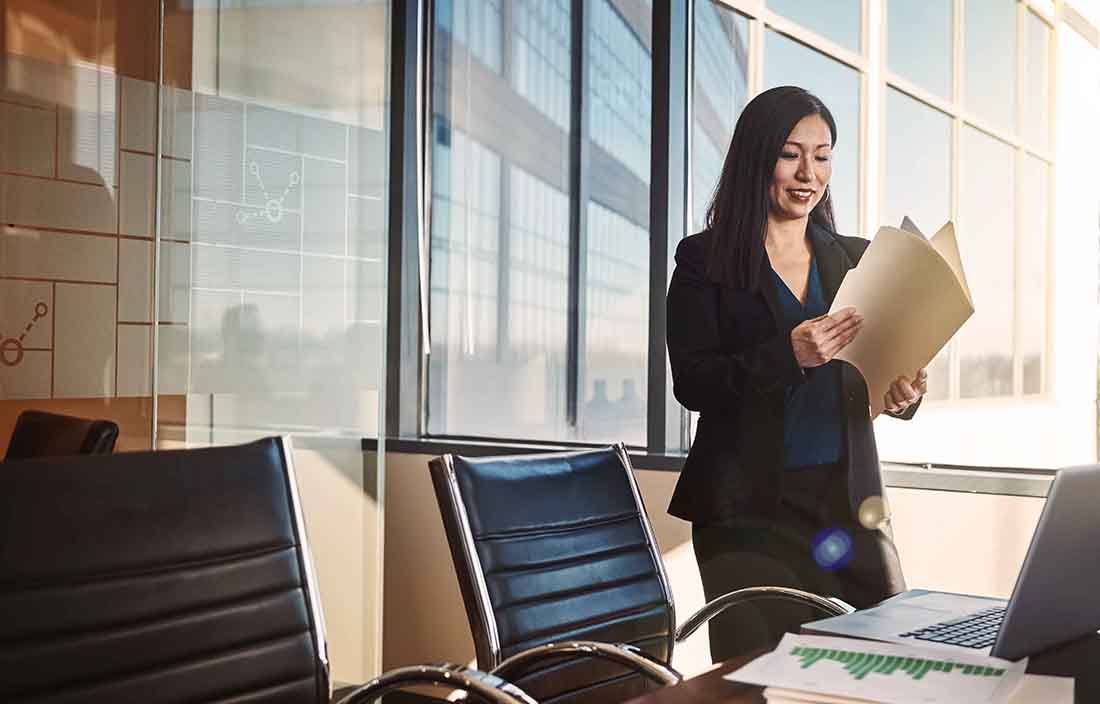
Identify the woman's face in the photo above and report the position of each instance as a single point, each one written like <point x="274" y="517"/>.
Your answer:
<point x="803" y="170"/>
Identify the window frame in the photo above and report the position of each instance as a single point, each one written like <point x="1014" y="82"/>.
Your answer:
<point x="667" y="423"/>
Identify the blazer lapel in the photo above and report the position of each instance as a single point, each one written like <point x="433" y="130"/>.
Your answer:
<point x="832" y="261"/>
<point x="770" y="291"/>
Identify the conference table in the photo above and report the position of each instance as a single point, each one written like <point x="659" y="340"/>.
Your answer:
<point x="1079" y="659"/>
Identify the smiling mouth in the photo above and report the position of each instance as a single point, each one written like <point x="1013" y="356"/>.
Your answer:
<point x="803" y="194"/>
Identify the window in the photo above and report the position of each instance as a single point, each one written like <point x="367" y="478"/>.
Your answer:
<point x="989" y="61"/>
<point x="987" y="235"/>
<point x="508" y="358"/>
<point x="1032" y="286"/>
<point x="918" y="155"/>
<point x="500" y="224"/>
<point x="1037" y="65"/>
<point x="786" y="62"/>
<point x="919" y="38"/>
<point x="541" y="158"/>
<point x="837" y="20"/>
<point x="720" y="92"/>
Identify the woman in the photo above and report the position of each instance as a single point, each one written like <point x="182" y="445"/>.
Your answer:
<point x="782" y="483"/>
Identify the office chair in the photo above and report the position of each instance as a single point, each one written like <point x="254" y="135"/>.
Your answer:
<point x="562" y="578"/>
<point x="170" y="577"/>
<point x="42" y="434"/>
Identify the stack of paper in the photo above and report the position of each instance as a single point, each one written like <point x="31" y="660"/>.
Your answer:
<point x="826" y="670"/>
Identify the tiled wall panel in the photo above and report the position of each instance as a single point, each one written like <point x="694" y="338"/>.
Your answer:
<point x="325" y="196"/>
<point x="135" y="352"/>
<point x="87" y="146"/>
<point x="30" y="81"/>
<point x="175" y="282"/>
<point x="29" y="379"/>
<point x="248" y="269"/>
<point x="323" y="291"/>
<point x="84" y="355"/>
<point x="135" y="281"/>
<point x="366" y="295"/>
<point x="139" y="110"/>
<point x="26" y="317"/>
<point x="219" y="149"/>
<point x="35" y="202"/>
<point x="136" y="190"/>
<point x="228" y="223"/>
<point x="175" y="200"/>
<point x="271" y="227"/>
<point x="366" y="221"/>
<point x="42" y="254"/>
<point x="174" y="359"/>
<point x="292" y="132"/>
<point x="27" y="139"/>
<point x="179" y="107"/>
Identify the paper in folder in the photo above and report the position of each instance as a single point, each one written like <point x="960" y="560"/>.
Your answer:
<point x="913" y="296"/>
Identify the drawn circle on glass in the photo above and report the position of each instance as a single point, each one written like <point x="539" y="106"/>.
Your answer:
<point x="274" y="210"/>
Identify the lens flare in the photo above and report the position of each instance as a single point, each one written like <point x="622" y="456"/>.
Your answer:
<point x="872" y="512"/>
<point x="832" y="549"/>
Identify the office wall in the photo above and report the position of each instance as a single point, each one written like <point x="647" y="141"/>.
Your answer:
<point x="77" y="196"/>
<point x="951" y="541"/>
<point x="342" y="517"/>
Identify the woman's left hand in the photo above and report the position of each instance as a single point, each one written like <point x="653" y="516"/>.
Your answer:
<point x="904" y="391"/>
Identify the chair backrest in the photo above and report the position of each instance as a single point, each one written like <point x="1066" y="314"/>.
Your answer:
<point x="556" y="547"/>
<point x="158" y="577"/>
<point x="42" y="434"/>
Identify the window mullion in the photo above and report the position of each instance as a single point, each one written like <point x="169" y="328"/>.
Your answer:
<point x="668" y="201"/>
<point x="579" y="148"/>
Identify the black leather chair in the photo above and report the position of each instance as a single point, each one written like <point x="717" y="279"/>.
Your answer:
<point x="171" y="577"/>
<point x="557" y="548"/>
<point x="42" y="434"/>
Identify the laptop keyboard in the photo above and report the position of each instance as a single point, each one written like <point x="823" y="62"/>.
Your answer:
<point x="978" y="630"/>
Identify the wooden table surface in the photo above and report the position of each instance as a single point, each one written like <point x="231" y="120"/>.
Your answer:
<point x="708" y="687"/>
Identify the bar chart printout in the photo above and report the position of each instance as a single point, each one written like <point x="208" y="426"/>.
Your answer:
<point x="882" y="672"/>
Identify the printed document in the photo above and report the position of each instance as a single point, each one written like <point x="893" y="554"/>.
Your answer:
<point x="841" y="669"/>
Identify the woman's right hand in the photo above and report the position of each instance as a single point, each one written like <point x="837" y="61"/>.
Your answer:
<point x="817" y="340"/>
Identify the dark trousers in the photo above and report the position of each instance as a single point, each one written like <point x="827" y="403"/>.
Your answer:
<point x="814" y="544"/>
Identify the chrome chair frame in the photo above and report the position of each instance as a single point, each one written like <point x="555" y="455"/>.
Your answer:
<point x="621" y="654"/>
<point x="485" y="685"/>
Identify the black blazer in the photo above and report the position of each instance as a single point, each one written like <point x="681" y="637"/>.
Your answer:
<point x="732" y="360"/>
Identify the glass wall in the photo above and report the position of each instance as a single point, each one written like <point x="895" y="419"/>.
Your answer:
<point x="272" y="267"/>
<point x="273" y="222"/>
<point x="196" y="250"/>
<point x="529" y="268"/>
<point x="77" y="171"/>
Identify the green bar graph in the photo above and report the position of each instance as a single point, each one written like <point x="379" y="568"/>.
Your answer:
<point x="859" y="665"/>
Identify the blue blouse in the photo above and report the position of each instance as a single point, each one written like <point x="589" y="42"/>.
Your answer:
<point x="813" y="426"/>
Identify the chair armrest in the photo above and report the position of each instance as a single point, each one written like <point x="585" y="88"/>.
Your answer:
<point x="483" y="685"/>
<point x="627" y="655"/>
<point x="830" y="606"/>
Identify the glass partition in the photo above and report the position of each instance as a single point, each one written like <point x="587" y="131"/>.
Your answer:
<point x="272" y="264"/>
<point x="77" y="173"/>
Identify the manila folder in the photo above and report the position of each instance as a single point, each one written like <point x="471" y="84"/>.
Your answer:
<point x="913" y="296"/>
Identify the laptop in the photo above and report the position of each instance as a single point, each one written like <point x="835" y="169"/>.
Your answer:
<point x="1056" y="597"/>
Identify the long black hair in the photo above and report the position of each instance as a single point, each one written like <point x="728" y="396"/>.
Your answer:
<point x="737" y="215"/>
